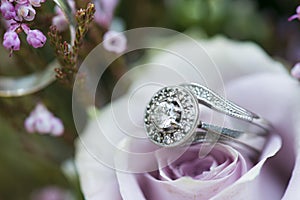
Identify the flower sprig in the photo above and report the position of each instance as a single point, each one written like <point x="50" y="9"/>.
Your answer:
<point x="83" y="17"/>
<point x="17" y="14"/>
<point x="42" y="121"/>
<point x="67" y="53"/>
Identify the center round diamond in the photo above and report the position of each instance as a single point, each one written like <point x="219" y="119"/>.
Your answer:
<point x="166" y="115"/>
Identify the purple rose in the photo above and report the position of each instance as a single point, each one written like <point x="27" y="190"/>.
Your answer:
<point x="251" y="79"/>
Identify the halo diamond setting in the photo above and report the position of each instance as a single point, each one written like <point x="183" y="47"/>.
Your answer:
<point x="171" y="116"/>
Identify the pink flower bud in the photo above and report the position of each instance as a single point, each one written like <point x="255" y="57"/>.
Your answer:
<point x="7" y="10"/>
<point x="42" y="121"/>
<point x="11" y="41"/>
<point x="114" y="41"/>
<point x="29" y="124"/>
<point x="36" y="3"/>
<point x="59" y="20"/>
<point x="295" y="16"/>
<point x="19" y="1"/>
<point x="43" y="125"/>
<point x="36" y="38"/>
<point x="105" y="11"/>
<point x="50" y="193"/>
<point x="57" y="128"/>
<point x="296" y="71"/>
<point x="25" y="11"/>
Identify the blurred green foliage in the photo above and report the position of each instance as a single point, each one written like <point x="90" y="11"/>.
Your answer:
<point x="32" y="161"/>
<point x="264" y="22"/>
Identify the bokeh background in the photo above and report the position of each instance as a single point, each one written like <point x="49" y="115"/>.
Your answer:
<point x="33" y="165"/>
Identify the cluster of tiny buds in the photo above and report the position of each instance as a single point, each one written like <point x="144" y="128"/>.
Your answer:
<point x="17" y="13"/>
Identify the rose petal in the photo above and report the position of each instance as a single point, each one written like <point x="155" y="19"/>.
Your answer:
<point x="215" y="62"/>
<point x="278" y="101"/>
<point x="97" y="180"/>
<point x="130" y="186"/>
<point x="293" y="189"/>
<point x="189" y="162"/>
<point x="96" y="149"/>
<point x="275" y="100"/>
<point x="251" y="185"/>
<point x="142" y="186"/>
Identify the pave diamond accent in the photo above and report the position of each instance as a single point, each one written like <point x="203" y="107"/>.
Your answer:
<point x="218" y="103"/>
<point x="171" y="116"/>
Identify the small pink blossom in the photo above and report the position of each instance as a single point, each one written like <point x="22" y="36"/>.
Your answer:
<point x="19" y="1"/>
<point x="296" y="71"/>
<point x="36" y="38"/>
<point x="42" y="125"/>
<point x="24" y="27"/>
<point x="57" y="126"/>
<point x="60" y="20"/>
<point x="36" y="3"/>
<point x="295" y="16"/>
<point x="114" y="42"/>
<point x="11" y="41"/>
<point x="41" y="120"/>
<point x="104" y="11"/>
<point x="7" y="10"/>
<point x="25" y="12"/>
<point x="50" y="193"/>
<point x="29" y="124"/>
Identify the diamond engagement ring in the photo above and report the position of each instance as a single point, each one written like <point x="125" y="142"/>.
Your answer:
<point x="172" y="119"/>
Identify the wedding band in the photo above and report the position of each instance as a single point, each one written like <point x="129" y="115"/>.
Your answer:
<point x="172" y="119"/>
<point x="23" y="85"/>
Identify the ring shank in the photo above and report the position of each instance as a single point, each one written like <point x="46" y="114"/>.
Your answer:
<point x="246" y="150"/>
<point x="251" y="143"/>
<point x="218" y="103"/>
